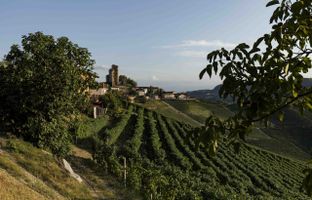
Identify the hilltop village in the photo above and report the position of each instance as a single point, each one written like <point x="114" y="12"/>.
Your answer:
<point x="129" y="89"/>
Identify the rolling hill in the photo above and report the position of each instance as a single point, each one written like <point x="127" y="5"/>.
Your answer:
<point x="291" y="138"/>
<point x="160" y="150"/>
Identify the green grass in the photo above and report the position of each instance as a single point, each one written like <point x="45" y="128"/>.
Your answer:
<point x="27" y="172"/>
<point x="92" y="126"/>
<point x="201" y="110"/>
<point x="169" y="111"/>
<point x="40" y="171"/>
<point x="12" y="188"/>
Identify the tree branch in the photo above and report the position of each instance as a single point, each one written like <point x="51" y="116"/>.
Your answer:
<point x="282" y="106"/>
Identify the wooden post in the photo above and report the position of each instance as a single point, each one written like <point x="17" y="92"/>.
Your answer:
<point x="94" y="112"/>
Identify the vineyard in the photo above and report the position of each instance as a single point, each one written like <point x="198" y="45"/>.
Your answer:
<point x="164" y="163"/>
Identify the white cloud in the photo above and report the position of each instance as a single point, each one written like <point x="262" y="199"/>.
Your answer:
<point x="191" y="53"/>
<point x="202" y="43"/>
<point x="101" y="67"/>
<point x="155" y="78"/>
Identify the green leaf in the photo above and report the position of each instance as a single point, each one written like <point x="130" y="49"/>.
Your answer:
<point x="281" y="116"/>
<point x="295" y="93"/>
<point x="254" y="50"/>
<point x="256" y="44"/>
<point x="215" y="67"/>
<point x="273" y="2"/>
<point x="209" y="70"/>
<point x="201" y="74"/>
<point x="242" y="46"/>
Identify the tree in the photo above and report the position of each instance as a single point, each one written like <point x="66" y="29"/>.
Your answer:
<point x="43" y="88"/>
<point x="126" y="81"/>
<point x="266" y="77"/>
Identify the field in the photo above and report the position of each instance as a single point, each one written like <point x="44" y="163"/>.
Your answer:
<point x="201" y="110"/>
<point x="169" y="111"/>
<point x="155" y="144"/>
<point x="288" y="138"/>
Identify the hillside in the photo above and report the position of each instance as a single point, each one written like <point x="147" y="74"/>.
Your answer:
<point x="27" y="172"/>
<point x="166" y="109"/>
<point x="213" y="94"/>
<point x="155" y="144"/>
<point x="162" y="160"/>
<point x="288" y="138"/>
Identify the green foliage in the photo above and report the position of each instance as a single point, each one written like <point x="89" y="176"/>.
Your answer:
<point x="176" y="155"/>
<point x="126" y="81"/>
<point x="42" y="89"/>
<point x="135" y="142"/>
<point x="161" y="167"/>
<point x="155" y="148"/>
<point x="264" y="82"/>
<point x="40" y="171"/>
<point x="111" y="135"/>
<point x="113" y="102"/>
<point x="183" y="147"/>
<point x="266" y="77"/>
<point x="105" y="156"/>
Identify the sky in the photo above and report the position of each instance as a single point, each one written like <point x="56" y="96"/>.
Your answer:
<point x="161" y="43"/>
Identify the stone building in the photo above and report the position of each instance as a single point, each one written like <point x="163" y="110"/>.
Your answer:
<point x="113" y="78"/>
<point x="168" y="95"/>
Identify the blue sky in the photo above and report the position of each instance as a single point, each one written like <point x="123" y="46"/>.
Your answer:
<point x="162" y="42"/>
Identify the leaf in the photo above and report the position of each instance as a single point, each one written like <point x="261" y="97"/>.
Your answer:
<point x="209" y="70"/>
<point x="215" y="67"/>
<point x="296" y="7"/>
<point x="281" y="116"/>
<point x="256" y="44"/>
<point x="254" y="50"/>
<point x="202" y="73"/>
<point x="294" y="93"/>
<point x="242" y="46"/>
<point x="309" y="106"/>
<point x="273" y="2"/>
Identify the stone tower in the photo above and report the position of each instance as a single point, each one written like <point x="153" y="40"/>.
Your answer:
<point x="113" y="78"/>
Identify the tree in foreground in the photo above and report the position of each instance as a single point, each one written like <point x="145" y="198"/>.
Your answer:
<point x="266" y="77"/>
<point x="43" y="88"/>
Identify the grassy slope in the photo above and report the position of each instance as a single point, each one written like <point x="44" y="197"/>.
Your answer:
<point x="169" y="111"/>
<point x="30" y="173"/>
<point x="12" y="188"/>
<point x="200" y="110"/>
<point x="39" y="171"/>
<point x="282" y="139"/>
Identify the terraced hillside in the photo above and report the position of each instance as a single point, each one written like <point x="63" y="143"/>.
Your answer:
<point x="161" y="152"/>
<point x="291" y="138"/>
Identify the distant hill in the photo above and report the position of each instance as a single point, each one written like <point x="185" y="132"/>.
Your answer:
<point x="206" y="94"/>
<point x="307" y="82"/>
<point x="214" y="93"/>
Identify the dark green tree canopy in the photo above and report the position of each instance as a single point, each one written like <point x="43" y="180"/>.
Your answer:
<point x="126" y="81"/>
<point x="265" y="77"/>
<point x="43" y="87"/>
